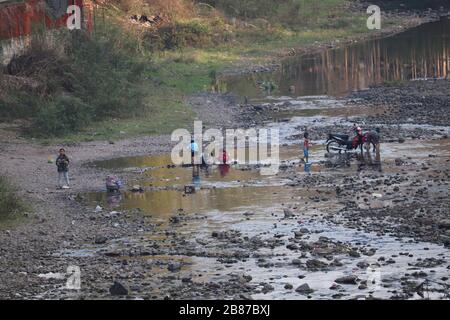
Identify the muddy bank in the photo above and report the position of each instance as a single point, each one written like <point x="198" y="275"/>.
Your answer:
<point x="411" y="110"/>
<point x="425" y="102"/>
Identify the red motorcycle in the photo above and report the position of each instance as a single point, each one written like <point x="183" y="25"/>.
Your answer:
<point x="342" y="143"/>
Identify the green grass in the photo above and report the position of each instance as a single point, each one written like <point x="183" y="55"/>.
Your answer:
<point x="11" y="206"/>
<point x="162" y="117"/>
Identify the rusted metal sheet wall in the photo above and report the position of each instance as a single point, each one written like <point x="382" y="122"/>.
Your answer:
<point x="18" y="18"/>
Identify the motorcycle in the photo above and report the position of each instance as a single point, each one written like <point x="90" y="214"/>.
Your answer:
<point x="342" y="143"/>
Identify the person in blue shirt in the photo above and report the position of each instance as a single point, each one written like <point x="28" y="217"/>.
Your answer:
<point x="193" y="146"/>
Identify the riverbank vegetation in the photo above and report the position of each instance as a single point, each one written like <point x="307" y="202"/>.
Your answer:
<point x="10" y="204"/>
<point x="131" y="75"/>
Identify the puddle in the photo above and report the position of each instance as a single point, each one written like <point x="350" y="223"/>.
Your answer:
<point x="167" y="202"/>
<point x="229" y="187"/>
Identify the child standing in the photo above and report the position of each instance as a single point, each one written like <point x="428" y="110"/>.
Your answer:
<point x="193" y="147"/>
<point x="62" y="163"/>
<point x="306" y="145"/>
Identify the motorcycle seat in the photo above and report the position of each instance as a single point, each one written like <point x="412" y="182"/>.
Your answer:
<point x="340" y="136"/>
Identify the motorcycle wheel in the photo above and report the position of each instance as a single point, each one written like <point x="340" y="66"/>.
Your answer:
<point x="333" y="144"/>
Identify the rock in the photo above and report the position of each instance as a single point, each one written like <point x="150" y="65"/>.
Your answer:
<point x="267" y="288"/>
<point x="444" y="224"/>
<point x="298" y="234"/>
<point x="399" y="162"/>
<point x="117" y="289"/>
<point x="100" y="240"/>
<point x="304" y="289"/>
<point x="296" y="262"/>
<point x="347" y="280"/>
<point x="337" y="263"/>
<point x="288" y="214"/>
<point x="316" y="264"/>
<point x="445" y="239"/>
<point x="247" y="277"/>
<point x="112" y="254"/>
<point x="242" y="278"/>
<point x="219" y="234"/>
<point x="137" y="188"/>
<point x="377" y="195"/>
<point x="354" y="254"/>
<point x="245" y="296"/>
<point x="362" y="286"/>
<point x="362" y="265"/>
<point x="174" y="267"/>
<point x="335" y="286"/>
<point x="174" y="219"/>
<point x="288" y="286"/>
<point x="98" y="209"/>
<point x="304" y="230"/>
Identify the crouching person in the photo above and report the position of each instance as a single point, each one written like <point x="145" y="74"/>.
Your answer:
<point x="62" y="163"/>
<point x="113" y="184"/>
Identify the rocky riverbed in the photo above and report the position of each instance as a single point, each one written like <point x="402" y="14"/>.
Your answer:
<point x="353" y="229"/>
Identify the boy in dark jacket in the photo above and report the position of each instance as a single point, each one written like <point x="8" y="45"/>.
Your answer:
<point x="62" y="162"/>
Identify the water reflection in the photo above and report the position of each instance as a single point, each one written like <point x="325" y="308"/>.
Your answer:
<point x="224" y="169"/>
<point x="196" y="181"/>
<point x="307" y="167"/>
<point x="421" y="52"/>
<point x="166" y="202"/>
<point x="114" y="200"/>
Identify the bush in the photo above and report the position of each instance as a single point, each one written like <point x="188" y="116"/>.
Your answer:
<point x="64" y="115"/>
<point x="190" y="34"/>
<point x="284" y="12"/>
<point x="18" y="104"/>
<point x="10" y="203"/>
<point x="86" y="78"/>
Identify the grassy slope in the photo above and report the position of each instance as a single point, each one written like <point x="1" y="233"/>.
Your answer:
<point x="176" y="73"/>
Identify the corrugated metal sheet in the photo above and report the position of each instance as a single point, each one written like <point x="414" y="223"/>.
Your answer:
<point x="18" y="18"/>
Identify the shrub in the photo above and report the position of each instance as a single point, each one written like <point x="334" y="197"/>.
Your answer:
<point x="10" y="203"/>
<point x="65" y="114"/>
<point x="18" y="104"/>
<point x="179" y="35"/>
<point x="86" y="78"/>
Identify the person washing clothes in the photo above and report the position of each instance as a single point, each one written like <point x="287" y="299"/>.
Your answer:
<point x="306" y="146"/>
<point x="193" y="147"/>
